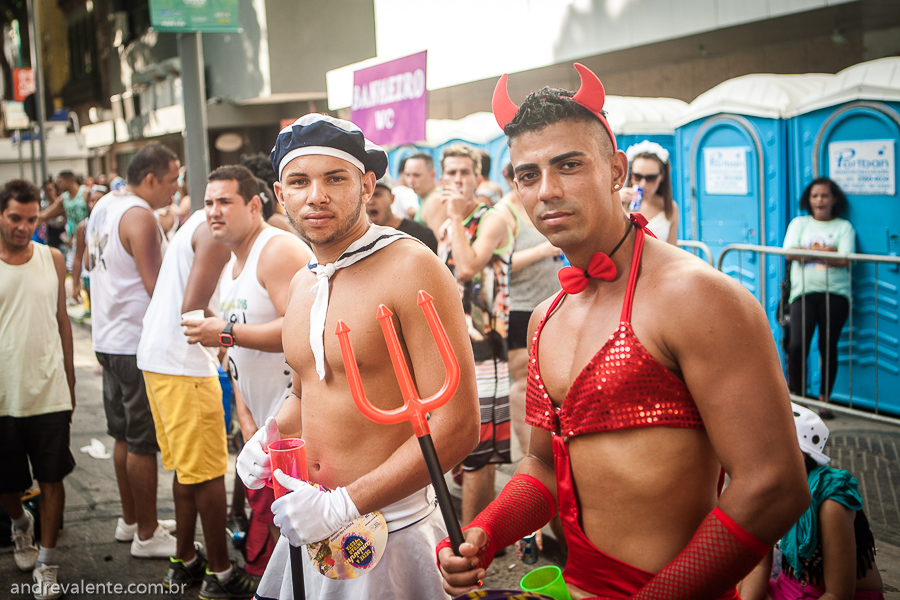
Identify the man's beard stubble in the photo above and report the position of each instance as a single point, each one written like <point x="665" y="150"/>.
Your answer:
<point x="344" y="226"/>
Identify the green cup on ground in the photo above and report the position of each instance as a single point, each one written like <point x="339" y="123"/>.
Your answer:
<point x="547" y="580"/>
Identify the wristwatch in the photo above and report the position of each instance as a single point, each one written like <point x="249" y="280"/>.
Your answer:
<point x="226" y="338"/>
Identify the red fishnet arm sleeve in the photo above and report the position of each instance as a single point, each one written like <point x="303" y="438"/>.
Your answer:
<point x="719" y="555"/>
<point x="524" y="506"/>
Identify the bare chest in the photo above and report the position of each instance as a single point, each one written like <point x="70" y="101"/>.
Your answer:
<point x="356" y="305"/>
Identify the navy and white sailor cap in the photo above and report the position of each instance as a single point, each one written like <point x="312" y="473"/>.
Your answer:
<point x="316" y="134"/>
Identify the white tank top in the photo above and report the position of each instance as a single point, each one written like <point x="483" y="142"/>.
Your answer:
<point x="164" y="348"/>
<point x="660" y="225"/>
<point x="32" y="374"/>
<point x="263" y="378"/>
<point x="118" y="297"/>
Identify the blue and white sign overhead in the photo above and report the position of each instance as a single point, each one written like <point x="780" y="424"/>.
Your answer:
<point x="863" y="167"/>
<point x="725" y="171"/>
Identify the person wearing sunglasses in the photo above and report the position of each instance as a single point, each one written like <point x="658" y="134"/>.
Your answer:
<point x="648" y="169"/>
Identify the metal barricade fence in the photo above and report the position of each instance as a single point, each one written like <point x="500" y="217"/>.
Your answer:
<point x="825" y="256"/>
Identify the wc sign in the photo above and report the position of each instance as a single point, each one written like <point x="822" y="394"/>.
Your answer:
<point x="390" y="101"/>
<point x="863" y="166"/>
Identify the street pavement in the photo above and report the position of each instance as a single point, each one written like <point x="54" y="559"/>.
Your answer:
<point x="89" y="554"/>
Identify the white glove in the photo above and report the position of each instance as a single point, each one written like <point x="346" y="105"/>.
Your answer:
<point x="307" y="514"/>
<point x="253" y="461"/>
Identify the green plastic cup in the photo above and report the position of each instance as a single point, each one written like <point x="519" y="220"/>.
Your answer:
<point x="546" y="580"/>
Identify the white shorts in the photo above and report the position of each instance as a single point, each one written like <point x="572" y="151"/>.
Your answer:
<point x="407" y="569"/>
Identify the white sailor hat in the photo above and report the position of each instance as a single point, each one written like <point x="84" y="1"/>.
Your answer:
<point x="316" y="134"/>
<point x="812" y="433"/>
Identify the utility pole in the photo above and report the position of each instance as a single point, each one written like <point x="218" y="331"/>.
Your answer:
<point x="33" y="33"/>
<point x="196" y="145"/>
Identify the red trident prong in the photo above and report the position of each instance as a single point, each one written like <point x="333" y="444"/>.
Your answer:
<point x="414" y="407"/>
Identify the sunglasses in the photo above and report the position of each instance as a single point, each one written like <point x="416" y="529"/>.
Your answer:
<point x="647" y="178"/>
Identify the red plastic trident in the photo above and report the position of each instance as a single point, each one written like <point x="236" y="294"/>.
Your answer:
<point x="415" y="408"/>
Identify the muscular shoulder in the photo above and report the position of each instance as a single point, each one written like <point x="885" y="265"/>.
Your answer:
<point x="689" y="302"/>
<point x="138" y="229"/>
<point x="832" y="509"/>
<point x="59" y="261"/>
<point x="290" y="245"/>
<point x="283" y="257"/>
<point x="302" y="277"/>
<point x="496" y="225"/>
<point x="687" y="285"/>
<point x="283" y="253"/>
<point x="138" y="217"/>
<point x="409" y="258"/>
<point x="403" y="268"/>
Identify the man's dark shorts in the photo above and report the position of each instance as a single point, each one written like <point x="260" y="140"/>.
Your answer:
<point x="517" y="331"/>
<point x="128" y="416"/>
<point x="44" y="441"/>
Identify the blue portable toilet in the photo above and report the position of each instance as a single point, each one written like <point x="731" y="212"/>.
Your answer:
<point x="478" y="130"/>
<point x="732" y="147"/>
<point x="635" y="119"/>
<point x="395" y="155"/>
<point x="850" y="132"/>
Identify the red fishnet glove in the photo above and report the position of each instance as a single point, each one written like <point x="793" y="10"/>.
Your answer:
<point x="524" y="506"/>
<point x="719" y="555"/>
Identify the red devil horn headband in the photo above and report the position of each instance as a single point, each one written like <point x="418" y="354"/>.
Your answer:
<point x="590" y="95"/>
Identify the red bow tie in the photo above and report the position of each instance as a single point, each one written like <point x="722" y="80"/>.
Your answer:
<point x="574" y="280"/>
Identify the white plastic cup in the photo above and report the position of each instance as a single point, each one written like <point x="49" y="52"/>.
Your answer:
<point x="199" y="314"/>
<point x="193" y="315"/>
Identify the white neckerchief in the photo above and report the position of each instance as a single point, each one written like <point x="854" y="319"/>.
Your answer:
<point x="376" y="238"/>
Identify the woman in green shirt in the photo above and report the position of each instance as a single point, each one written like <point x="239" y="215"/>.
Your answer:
<point x="820" y="288"/>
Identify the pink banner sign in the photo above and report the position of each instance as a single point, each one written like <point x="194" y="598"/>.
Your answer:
<point x="390" y="101"/>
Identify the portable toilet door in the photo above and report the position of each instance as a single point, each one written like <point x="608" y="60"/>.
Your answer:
<point x="850" y="133"/>
<point x="727" y="168"/>
<point x="732" y="146"/>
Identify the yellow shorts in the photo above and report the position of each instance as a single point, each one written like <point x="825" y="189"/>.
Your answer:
<point x="190" y="425"/>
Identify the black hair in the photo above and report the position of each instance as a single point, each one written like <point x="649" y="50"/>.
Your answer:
<point x="266" y="195"/>
<point x="260" y="165"/>
<point x="840" y="199"/>
<point x="152" y="158"/>
<point x="552" y="105"/>
<point x="809" y="462"/>
<point x="248" y="185"/>
<point x="20" y="190"/>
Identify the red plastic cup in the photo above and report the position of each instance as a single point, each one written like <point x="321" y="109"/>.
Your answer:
<point x="289" y="455"/>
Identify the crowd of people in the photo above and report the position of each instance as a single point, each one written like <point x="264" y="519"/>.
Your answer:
<point x="633" y="376"/>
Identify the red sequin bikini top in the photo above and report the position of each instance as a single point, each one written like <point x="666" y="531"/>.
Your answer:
<point x="622" y="387"/>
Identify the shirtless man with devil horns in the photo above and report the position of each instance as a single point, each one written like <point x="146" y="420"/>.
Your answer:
<point x="650" y="376"/>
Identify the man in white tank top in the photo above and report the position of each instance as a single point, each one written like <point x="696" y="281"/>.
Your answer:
<point x="327" y="172"/>
<point x="125" y="250"/>
<point x="186" y="401"/>
<point x="37" y="388"/>
<point x="253" y="295"/>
